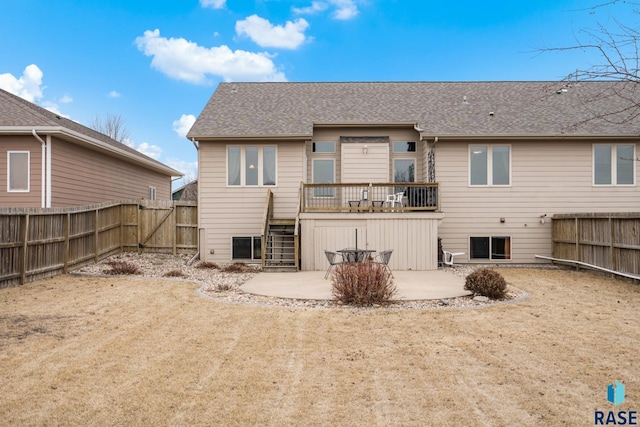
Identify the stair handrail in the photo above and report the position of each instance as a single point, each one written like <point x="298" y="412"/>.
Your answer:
<point x="296" y="236"/>
<point x="268" y="214"/>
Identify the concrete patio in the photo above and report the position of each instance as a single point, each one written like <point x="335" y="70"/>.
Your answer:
<point x="311" y="285"/>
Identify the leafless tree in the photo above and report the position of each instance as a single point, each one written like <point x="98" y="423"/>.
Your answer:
<point x="112" y="125"/>
<point x="617" y="44"/>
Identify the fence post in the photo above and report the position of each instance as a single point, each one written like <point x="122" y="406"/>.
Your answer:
<point x="174" y="227"/>
<point x="95" y="237"/>
<point x="25" y="249"/>
<point x="67" y="245"/>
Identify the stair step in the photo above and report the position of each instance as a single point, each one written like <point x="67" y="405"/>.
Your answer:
<point x="282" y="221"/>
<point x="279" y="269"/>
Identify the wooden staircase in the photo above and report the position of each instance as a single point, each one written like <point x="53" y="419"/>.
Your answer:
<point x="280" y="253"/>
<point x="279" y="241"/>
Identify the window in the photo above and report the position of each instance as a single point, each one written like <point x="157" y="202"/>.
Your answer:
<point x="251" y="165"/>
<point x="404" y="147"/>
<point x="613" y="164"/>
<point x="18" y="171"/>
<point x="324" y="147"/>
<point x="323" y="173"/>
<point x="404" y="170"/>
<point x="489" y="165"/>
<point x="152" y="193"/>
<point x="493" y="248"/>
<point x="249" y="248"/>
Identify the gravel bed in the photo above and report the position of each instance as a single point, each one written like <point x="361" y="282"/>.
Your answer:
<point x="216" y="284"/>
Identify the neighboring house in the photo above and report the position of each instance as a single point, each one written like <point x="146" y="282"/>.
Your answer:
<point x="482" y="165"/>
<point x="49" y="161"/>
<point x="187" y="193"/>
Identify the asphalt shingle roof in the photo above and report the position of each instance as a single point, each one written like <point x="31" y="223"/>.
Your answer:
<point x="18" y="112"/>
<point x="237" y="110"/>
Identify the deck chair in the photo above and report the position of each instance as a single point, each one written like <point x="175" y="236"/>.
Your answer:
<point x="332" y="257"/>
<point x="383" y="258"/>
<point x="447" y="257"/>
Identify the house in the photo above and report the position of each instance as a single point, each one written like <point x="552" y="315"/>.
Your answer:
<point x="288" y="170"/>
<point x="188" y="192"/>
<point x="51" y="161"/>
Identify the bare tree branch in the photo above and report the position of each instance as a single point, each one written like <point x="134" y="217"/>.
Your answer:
<point x="112" y="125"/>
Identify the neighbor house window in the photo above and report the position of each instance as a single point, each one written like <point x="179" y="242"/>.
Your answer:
<point x="404" y="170"/>
<point x="18" y="179"/>
<point x="489" y="165"/>
<point x="404" y="147"/>
<point x="492" y="248"/>
<point x="613" y="164"/>
<point x="152" y="193"/>
<point x="246" y="248"/>
<point x="324" y="147"/>
<point x="323" y="173"/>
<point x="251" y="165"/>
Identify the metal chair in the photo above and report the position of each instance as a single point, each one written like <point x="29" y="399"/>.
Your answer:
<point x="383" y="258"/>
<point x="332" y="257"/>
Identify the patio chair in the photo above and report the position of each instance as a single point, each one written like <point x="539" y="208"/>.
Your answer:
<point x="332" y="257"/>
<point x="399" y="197"/>
<point x="447" y="257"/>
<point x="383" y="258"/>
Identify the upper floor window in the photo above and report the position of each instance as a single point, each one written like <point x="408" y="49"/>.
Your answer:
<point x="251" y="165"/>
<point x="404" y="170"/>
<point x="404" y="147"/>
<point x="18" y="171"/>
<point x="324" y="147"/>
<point x="613" y="164"/>
<point x="489" y="165"/>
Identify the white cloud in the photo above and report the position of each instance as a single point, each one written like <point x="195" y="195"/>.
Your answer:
<point x="213" y="4"/>
<point x="316" y="7"/>
<point x="189" y="169"/>
<point x="185" y="60"/>
<point x="28" y="86"/>
<point x="145" y="148"/>
<point x="347" y="9"/>
<point x="66" y="99"/>
<point x="114" y="94"/>
<point x="53" y="107"/>
<point x="182" y="125"/>
<point x="265" y="34"/>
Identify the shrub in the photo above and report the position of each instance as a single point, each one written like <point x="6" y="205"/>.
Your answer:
<point x="207" y="264"/>
<point x="174" y="273"/>
<point x="363" y="284"/>
<point x="122" y="267"/>
<point x="487" y="282"/>
<point x="236" y="267"/>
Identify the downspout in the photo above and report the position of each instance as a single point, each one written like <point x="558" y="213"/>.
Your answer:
<point x="43" y="202"/>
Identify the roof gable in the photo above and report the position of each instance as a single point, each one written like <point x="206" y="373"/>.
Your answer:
<point x="16" y="113"/>
<point x="465" y="109"/>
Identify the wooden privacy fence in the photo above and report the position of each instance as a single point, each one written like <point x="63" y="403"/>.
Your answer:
<point x="610" y="241"/>
<point x="40" y="243"/>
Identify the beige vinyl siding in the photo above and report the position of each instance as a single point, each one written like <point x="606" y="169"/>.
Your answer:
<point x="411" y="236"/>
<point x="33" y="198"/>
<point x="358" y="166"/>
<point x="547" y="177"/>
<point x="237" y="211"/>
<point x="81" y="176"/>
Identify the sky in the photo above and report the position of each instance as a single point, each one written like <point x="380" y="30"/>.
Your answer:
<point x="156" y="63"/>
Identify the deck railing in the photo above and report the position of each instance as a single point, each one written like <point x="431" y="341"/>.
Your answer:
<point x="370" y="197"/>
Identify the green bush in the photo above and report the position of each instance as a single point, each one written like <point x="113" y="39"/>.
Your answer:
<point x="362" y="284"/>
<point x="122" y="267"/>
<point x="487" y="282"/>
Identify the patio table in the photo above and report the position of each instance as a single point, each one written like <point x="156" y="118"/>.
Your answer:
<point x="355" y="255"/>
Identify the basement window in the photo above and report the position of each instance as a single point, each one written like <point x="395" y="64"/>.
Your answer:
<point x="246" y="248"/>
<point x="492" y="248"/>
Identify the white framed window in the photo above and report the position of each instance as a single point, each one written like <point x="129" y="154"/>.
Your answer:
<point x="404" y="170"/>
<point x="404" y="147"/>
<point x="251" y="165"/>
<point x="246" y="248"/>
<point x="18" y="171"/>
<point x="490" y="247"/>
<point x="614" y="164"/>
<point x="152" y="193"/>
<point x="324" y="172"/>
<point x="323" y="147"/>
<point x="490" y="165"/>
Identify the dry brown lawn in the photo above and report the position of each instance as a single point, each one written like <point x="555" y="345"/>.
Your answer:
<point x="140" y="352"/>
